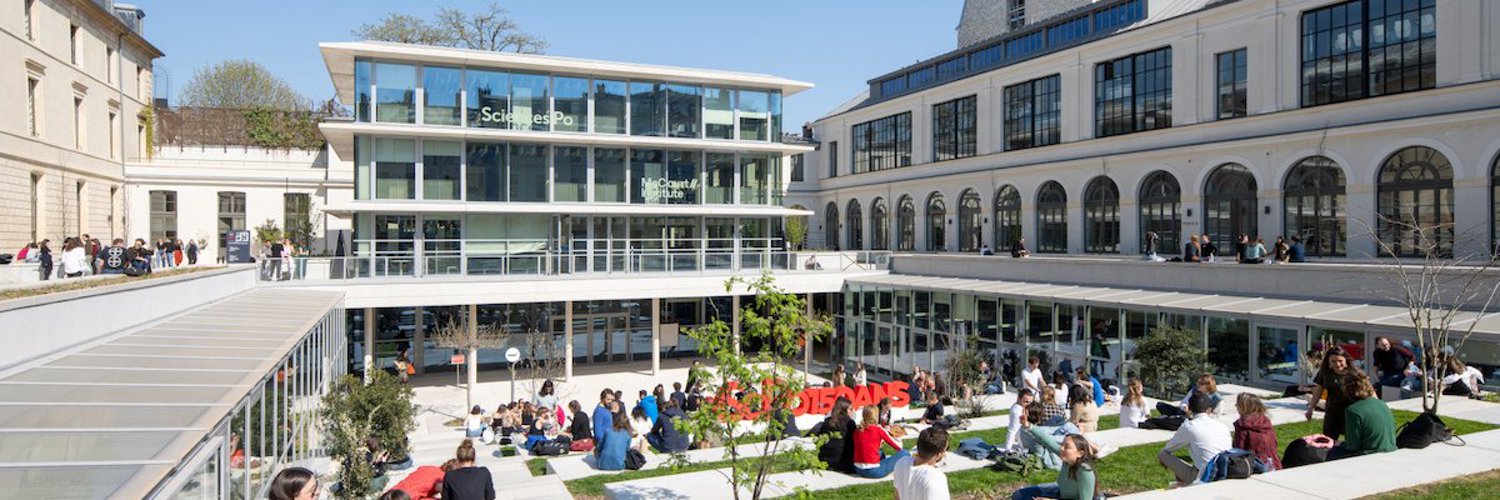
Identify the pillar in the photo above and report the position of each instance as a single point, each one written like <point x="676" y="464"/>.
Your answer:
<point x="655" y="336"/>
<point x="734" y="304"/>
<point x="418" y="341"/>
<point x="568" y="340"/>
<point x="471" y="358"/>
<point x="369" y="342"/>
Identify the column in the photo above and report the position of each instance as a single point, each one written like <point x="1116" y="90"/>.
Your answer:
<point x="655" y="336"/>
<point x="734" y="305"/>
<point x="471" y="358"/>
<point x="369" y="341"/>
<point x="568" y="336"/>
<point x="418" y="346"/>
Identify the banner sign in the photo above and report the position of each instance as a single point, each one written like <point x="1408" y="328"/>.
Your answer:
<point x="820" y="400"/>
<point x="237" y="247"/>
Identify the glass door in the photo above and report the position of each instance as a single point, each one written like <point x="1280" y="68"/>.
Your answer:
<point x="1276" y="354"/>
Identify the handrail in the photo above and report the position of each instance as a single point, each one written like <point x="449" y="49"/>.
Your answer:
<point x="418" y="263"/>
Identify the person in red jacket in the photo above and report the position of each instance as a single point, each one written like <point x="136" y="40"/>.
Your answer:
<point x="1253" y="431"/>
<point x="426" y="482"/>
<point x="868" y="461"/>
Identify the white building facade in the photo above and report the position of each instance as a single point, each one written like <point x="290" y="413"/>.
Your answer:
<point x="77" y="97"/>
<point x="1082" y="132"/>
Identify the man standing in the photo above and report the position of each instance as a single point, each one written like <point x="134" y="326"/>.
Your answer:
<point x="1203" y="436"/>
<point x="113" y="259"/>
<point x="917" y="476"/>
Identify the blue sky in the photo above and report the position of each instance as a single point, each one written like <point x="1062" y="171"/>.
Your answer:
<point x="836" y="45"/>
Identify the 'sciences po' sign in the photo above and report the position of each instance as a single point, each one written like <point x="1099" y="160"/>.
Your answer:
<point x="524" y="120"/>
<point x="820" y="400"/>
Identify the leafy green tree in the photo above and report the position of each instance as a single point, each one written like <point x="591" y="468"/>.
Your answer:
<point x="241" y="84"/>
<point x="796" y="229"/>
<point x="489" y="28"/>
<point x="756" y="388"/>
<point x="268" y="232"/>
<point x="352" y="411"/>
<point x="1171" y="359"/>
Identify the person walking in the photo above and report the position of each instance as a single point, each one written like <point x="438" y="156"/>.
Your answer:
<point x="192" y="252"/>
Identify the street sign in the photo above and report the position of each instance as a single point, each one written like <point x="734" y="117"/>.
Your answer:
<point x="512" y="355"/>
<point x="458" y="359"/>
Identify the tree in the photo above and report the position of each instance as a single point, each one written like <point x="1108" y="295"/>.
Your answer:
<point x="469" y="338"/>
<point x="796" y="229"/>
<point x="353" y="411"/>
<point x="268" y="233"/>
<point x="541" y="362"/>
<point x="1171" y="358"/>
<point x="1437" y="288"/>
<point x="241" y="84"/>
<point x="755" y="389"/>
<point x="964" y="374"/>
<point x="489" y="28"/>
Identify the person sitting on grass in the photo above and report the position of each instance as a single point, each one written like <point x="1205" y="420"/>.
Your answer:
<point x="1082" y="412"/>
<point x="1017" y="414"/>
<point x="1204" y="437"/>
<point x="1253" y="431"/>
<point x="1075" y="480"/>
<point x="1369" y="426"/>
<point x="613" y="443"/>
<point x="1034" y="417"/>
<point x="918" y="477"/>
<point x="1054" y="409"/>
<point x="664" y="436"/>
<point x="868" y="462"/>
<point x="838" y="451"/>
<point x="1133" y="407"/>
<point x="935" y="414"/>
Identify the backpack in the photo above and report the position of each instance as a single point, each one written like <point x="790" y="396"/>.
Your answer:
<point x="1167" y="423"/>
<point x="1308" y="450"/>
<point x="634" y="460"/>
<point x="549" y="448"/>
<point x="1234" y="463"/>
<point x="1422" y="431"/>
<point x="1019" y="462"/>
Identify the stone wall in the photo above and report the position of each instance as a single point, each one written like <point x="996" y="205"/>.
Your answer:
<point x="985" y="19"/>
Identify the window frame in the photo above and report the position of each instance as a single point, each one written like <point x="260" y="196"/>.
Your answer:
<point x="1024" y="124"/>
<point x="954" y="128"/>
<point x="1124" y="111"/>
<point x="1101" y="216"/>
<point x="1231" y="81"/>
<point x="1052" y="218"/>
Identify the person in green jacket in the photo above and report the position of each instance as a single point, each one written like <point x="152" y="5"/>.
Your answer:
<point x="1075" y="480"/>
<point x="1369" y="426"/>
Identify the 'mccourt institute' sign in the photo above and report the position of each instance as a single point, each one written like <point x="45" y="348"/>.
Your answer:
<point x="662" y="190"/>
<point x="820" y="400"/>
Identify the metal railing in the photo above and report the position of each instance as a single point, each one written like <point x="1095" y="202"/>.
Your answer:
<point x="459" y="264"/>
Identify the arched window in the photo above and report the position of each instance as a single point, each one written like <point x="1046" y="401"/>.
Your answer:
<point x="970" y="221"/>
<point x="1052" y="218"/>
<point x="1415" y="197"/>
<point x="1007" y="217"/>
<point x="1229" y="206"/>
<point x="1313" y="195"/>
<point x="1101" y="216"/>
<point x="831" y="226"/>
<point x="937" y="212"/>
<point x="906" y="224"/>
<point x="856" y="226"/>
<point x="1160" y="202"/>
<point x="880" y="225"/>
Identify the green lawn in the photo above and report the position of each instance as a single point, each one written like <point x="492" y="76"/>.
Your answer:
<point x="1130" y="470"/>
<point x="593" y="486"/>
<point x="1480" y="486"/>
<point x="537" y="466"/>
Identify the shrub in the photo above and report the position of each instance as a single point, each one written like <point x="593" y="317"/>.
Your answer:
<point x="353" y="411"/>
<point x="1171" y="359"/>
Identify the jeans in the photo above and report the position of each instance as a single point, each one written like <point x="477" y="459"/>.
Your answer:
<point x="887" y="465"/>
<point x="1169" y="410"/>
<point x="993" y="389"/>
<point x="1393" y="379"/>
<point x="1049" y="490"/>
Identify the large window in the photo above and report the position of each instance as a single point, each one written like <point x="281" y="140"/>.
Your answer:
<point x="441" y="167"/>
<point x="1016" y="14"/>
<point x="718" y="113"/>
<point x="296" y="217"/>
<point x="1052" y="218"/>
<point x="231" y="215"/>
<point x="684" y="110"/>
<point x="1415" y="198"/>
<point x="1133" y="93"/>
<point x="970" y="221"/>
<point x="856" y="226"/>
<point x="754" y="171"/>
<point x="953" y="133"/>
<point x="831" y="226"/>
<point x="906" y="225"/>
<point x="488" y="100"/>
<point x="720" y="187"/>
<point x="395" y="93"/>
<point x="1230" y="84"/>
<point x="799" y="168"/>
<point x="648" y="109"/>
<point x="833" y="159"/>
<point x="609" y="107"/>
<point x="755" y="115"/>
<point x="937" y="228"/>
<point x="882" y="144"/>
<point x="1365" y="48"/>
<point x="684" y="168"/>
<point x="1313" y="195"/>
<point x="570" y="104"/>
<point x="1032" y="113"/>
<point x="1160" y="202"/>
<point x="570" y="169"/>
<point x="442" y="91"/>
<point x="1101" y="216"/>
<point x="1495" y="203"/>
<point x="528" y="172"/>
<point x="529" y="108"/>
<point x="163" y="215"/>
<point x="395" y="169"/>
<point x="1007" y="217"/>
<point x="1229" y="201"/>
<point x="485" y="171"/>
<point x="609" y="175"/>
<point x="880" y="225"/>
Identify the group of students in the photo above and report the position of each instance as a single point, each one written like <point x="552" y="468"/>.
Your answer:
<point x="1247" y="250"/>
<point x="650" y="425"/>
<point x="859" y="446"/>
<point x="85" y="256"/>
<point x="457" y="479"/>
<point x="1396" y="366"/>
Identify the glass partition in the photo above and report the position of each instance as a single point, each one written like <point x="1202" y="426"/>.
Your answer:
<point x="609" y="175"/>
<point x="441" y="94"/>
<point x="440" y="170"/>
<point x="682" y="186"/>
<point x="362" y="84"/>
<point x="718" y="113"/>
<point x="1106" y="352"/>
<point x="485" y="171"/>
<point x="1228" y="343"/>
<point x="754" y="113"/>
<point x="648" y="109"/>
<point x="753" y="172"/>
<point x="395" y="93"/>
<point x="647" y="171"/>
<point x="528" y="102"/>
<point x="1276" y="354"/>
<point x="395" y="169"/>
<point x="684" y="107"/>
<point x="1351" y="342"/>
<point x="720" y="188"/>
<point x="528" y="172"/>
<point x="609" y="107"/>
<point x="570" y="104"/>
<point x="570" y="169"/>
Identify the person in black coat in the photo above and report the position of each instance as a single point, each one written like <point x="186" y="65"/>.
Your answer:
<point x="838" y="451"/>
<point x="466" y="481"/>
<point x="664" y="436"/>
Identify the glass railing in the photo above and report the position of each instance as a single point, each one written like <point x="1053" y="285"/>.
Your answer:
<point x="479" y="265"/>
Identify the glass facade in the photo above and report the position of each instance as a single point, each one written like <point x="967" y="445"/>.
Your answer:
<point x="479" y="97"/>
<point x="1133" y="93"/>
<point x="1366" y="48"/>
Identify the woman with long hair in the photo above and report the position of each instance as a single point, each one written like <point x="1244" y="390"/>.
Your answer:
<point x="1075" y="480"/>
<point x="838" y="451"/>
<point x="868" y="438"/>
<point x="1461" y="380"/>
<point x="1330" y="382"/>
<point x="294" y="483"/>
<point x="1133" y="408"/>
<point x="1253" y="431"/>
<point x="1082" y="411"/>
<point x="613" y="444"/>
<point x="467" y="481"/>
<point x="474" y="422"/>
<point x="838" y="375"/>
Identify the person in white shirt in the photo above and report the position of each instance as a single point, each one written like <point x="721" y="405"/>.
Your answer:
<point x="1017" y="412"/>
<point x="1031" y="376"/>
<point x="1133" y="409"/>
<point x="1462" y="380"/>
<point x="917" y="476"/>
<point x="1203" y="436"/>
<point x="74" y="260"/>
<point x="861" y="377"/>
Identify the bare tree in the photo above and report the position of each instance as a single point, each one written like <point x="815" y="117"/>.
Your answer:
<point x="489" y="28"/>
<point x="1438" y="287"/>
<point x="542" y="362"/>
<point x="470" y="338"/>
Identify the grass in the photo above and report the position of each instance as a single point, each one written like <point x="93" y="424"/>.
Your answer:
<point x="593" y="486"/>
<point x="1130" y="470"/>
<point x="78" y="284"/>
<point x="1478" y="486"/>
<point x="537" y="466"/>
